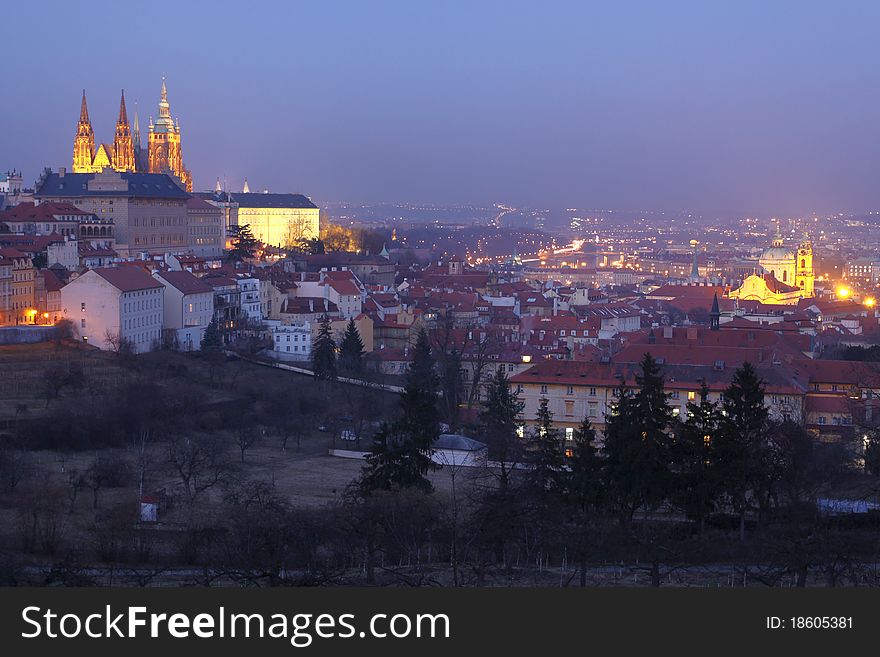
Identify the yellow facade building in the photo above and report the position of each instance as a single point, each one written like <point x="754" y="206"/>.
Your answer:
<point x="786" y="275"/>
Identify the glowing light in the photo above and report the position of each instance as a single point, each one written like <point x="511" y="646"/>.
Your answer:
<point x="870" y="302"/>
<point x="843" y="292"/>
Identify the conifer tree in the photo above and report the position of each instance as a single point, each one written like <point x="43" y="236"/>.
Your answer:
<point x="324" y="352"/>
<point x="499" y="420"/>
<point x="583" y="485"/>
<point x="638" y="445"/>
<point x="742" y="449"/>
<point x="696" y="472"/>
<point x="351" y="350"/>
<point x="212" y="339"/>
<point x="401" y="452"/>
<point x="545" y="452"/>
<point x="244" y="244"/>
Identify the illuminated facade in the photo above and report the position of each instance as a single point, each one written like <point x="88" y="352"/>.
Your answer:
<point x="785" y="276"/>
<point x="164" y="153"/>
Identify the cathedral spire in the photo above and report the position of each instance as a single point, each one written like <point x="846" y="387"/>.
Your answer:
<point x="136" y="130"/>
<point x="83" y="141"/>
<point x="123" y="115"/>
<point x="84" y="110"/>
<point x="246" y="189"/>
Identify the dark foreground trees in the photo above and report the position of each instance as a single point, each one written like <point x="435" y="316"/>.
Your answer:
<point x="401" y="451"/>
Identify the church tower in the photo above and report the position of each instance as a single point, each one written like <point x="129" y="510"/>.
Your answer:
<point x="123" y="144"/>
<point x="84" y="141"/>
<point x="805" y="277"/>
<point x="165" y="154"/>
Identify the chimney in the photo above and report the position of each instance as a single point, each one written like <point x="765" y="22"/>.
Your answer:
<point x="62" y="171"/>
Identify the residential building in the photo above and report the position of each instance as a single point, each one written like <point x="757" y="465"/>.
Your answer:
<point x="112" y="306"/>
<point x="188" y="309"/>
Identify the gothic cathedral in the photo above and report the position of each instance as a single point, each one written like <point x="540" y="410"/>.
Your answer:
<point x="164" y="154"/>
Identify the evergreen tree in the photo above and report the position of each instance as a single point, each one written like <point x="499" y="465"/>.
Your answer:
<point x="583" y="493"/>
<point x="583" y="485"/>
<point x="244" y="244"/>
<point x="351" y="350"/>
<point x="544" y="480"/>
<point x="545" y="452"/>
<point x="324" y="352"/>
<point x="499" y="419"/>
<point x="742" y="449"/>
<point x="638" y="445"/>
<point x="212" y="339"/>
<point x="401" y="452"/>
<point x="695" y="457"/>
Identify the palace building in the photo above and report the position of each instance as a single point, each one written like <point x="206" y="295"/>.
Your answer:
<point x="163" y="154"/>
<point x="786" y="275"/>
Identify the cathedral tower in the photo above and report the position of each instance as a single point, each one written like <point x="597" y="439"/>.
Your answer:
<point x="805" y="277"/>
<point x="165" y="154"/>
<point x="123" y="144"/>
<point x="84" y="141"/>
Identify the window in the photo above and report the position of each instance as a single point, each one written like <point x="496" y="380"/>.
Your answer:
<point x="82" y="306"/>
<point x="82" y="323"/>
<point x="569" y="407"/>
<point x="592" y="392"/>
<point x="569" y="434"/>
<point x="674" y="395"/>
<point x="544" y="390"/>
<point x="821" y="419"/>
<point x="691" y="395"/>
<point x="593" y="409"/>
<point x="570" y="390"/>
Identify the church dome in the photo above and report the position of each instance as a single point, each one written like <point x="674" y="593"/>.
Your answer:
<point x="777" y="254"/>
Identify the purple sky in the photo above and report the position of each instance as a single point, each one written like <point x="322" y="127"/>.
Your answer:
<point x="737" y="107"/>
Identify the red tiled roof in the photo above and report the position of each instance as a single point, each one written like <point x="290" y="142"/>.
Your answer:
<point x="127" y="279"/>
<point x="185" y="282"/>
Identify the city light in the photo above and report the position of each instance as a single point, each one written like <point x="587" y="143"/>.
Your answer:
<point x="843" y="292"/>
<point x="870" y="302"/>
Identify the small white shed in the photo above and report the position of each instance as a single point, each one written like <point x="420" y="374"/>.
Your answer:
<point x="149" y="508"/>
<point x="453" y="449"/>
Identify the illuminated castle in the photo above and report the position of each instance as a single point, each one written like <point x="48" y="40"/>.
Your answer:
<point x="163" y="155"/>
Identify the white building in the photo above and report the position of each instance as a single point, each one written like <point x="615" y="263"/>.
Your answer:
<point x="341" y="287"/>
<point x="188" y="308"/>
<point x="112" y="305"/>
<point x="291" y="341"/>
<point x="251" y="304"/>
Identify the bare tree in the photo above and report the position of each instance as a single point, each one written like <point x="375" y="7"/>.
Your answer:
<point x="200" y="462"/>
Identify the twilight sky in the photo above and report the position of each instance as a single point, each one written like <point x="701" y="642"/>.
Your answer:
<point x="765" y="107"/>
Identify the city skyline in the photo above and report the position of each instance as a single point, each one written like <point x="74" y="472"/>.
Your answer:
<point x="575" y="107"/>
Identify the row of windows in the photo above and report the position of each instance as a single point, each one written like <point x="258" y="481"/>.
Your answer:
<point x="177" y="239"/>
<point x="296" y="337"/>
<point x="159" y="222"/>
<point x="143" y="304"/>
<point x="138" y="322"/>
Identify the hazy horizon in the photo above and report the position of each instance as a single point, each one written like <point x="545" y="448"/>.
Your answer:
<point x="751" y="108"/>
